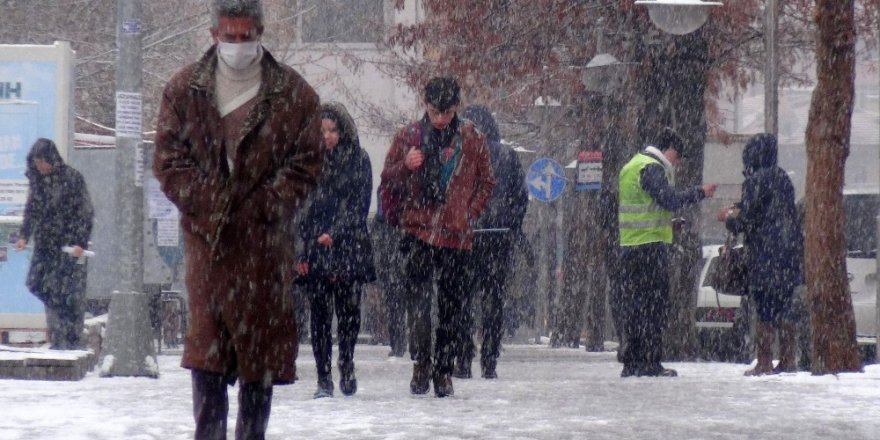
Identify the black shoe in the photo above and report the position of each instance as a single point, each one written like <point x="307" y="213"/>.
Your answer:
<point x="421" y="379"/>
<point x="443" y="385"/>
<point x="462" y="370"/>
<point x="659" y="372"/>
<point x="325" y="388"/>
<point x="348" y="384"/>
<point x="488" y="368"/>
<point x="629" y="372"/>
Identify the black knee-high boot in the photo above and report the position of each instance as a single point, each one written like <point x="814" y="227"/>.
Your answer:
<point x="210" y="405"/>
<point x="254" y="405"/>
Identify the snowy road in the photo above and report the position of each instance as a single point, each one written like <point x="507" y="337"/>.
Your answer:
<point x="542" y="393"/>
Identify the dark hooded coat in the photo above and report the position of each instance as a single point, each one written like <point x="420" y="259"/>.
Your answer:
<point x="769" y="221"/>
<point x="339" y="207"/>
<point x="235" y="225"/>
<point x="58" y="213"/>
<point x="510" y="198"/>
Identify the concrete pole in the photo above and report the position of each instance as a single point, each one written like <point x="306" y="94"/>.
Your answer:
<point x="877" y="275"/>
<point x="129" y="347"/>
<point x="771" y="77"/>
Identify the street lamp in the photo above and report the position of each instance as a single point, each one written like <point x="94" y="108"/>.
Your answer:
<point x="678" y="17"/>
<point x="605" y="74"/>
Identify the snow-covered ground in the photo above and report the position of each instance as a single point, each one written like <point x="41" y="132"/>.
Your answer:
<point x="542" y="393"/>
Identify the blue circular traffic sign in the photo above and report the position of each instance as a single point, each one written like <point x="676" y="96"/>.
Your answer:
<point x="546" y="179"/>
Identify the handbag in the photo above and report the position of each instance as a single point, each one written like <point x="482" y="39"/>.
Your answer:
<point x="731" y="274"/>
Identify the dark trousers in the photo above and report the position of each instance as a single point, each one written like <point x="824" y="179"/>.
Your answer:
<point x="211" y="405"/>
<point x="395" y="304"/>
<point x="644" y="288"/>
<point x="450" y="267"/>
<point x="65" y="322"/>
<point x="490" y="262"/>
<point x="345" y="299"/>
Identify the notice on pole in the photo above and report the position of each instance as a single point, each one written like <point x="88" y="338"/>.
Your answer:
<point x="159" y="207"/>
<point x="167" y="232"/>
<point x="139" y="165"/>
<point x="129" y="114"/>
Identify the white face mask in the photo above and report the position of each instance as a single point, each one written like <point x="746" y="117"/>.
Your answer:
<point x="238" y="55"/>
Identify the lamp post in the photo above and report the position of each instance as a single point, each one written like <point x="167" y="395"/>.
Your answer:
<point x="771" y="79"/>
<point x="681" y="17"/>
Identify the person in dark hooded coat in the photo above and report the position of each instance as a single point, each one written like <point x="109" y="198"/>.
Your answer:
<point x="767" y="217"/>
<point x="58" y="213"/>
<point x="337" y="257"/>
<point x="494" y="236"/>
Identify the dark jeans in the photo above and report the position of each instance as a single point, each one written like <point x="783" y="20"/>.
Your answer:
<point x="490" y="265"/>
<point x="211" y="406"/>
<point x="644" y="304"/>
<point x="450" y="267"/>
<point x="345" y="298"/>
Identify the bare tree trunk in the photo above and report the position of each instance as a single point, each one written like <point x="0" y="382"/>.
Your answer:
<point x="828" y="131"/>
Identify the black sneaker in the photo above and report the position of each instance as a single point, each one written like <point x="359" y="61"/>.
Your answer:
<point x="325" y="388"/>
<point x="462" y="370"/>
<point x="488" y="368"/>
<point x="348" y="384"/>
<point x="421" y="378"/>
<point x="443" y="385"/>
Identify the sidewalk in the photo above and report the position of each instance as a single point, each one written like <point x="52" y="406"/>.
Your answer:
<point x="541" y="393"/>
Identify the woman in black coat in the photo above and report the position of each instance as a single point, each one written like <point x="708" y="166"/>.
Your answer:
<point x="337" y="257"/>
<point x="58" y="213"/>
<point x="768" y="219"/>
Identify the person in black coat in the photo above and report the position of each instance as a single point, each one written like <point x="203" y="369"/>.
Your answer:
<point x="58" y="213"/>
<point x="767" y="216"/>
<point x="389" y="272"/>
<point x="337" y="257"/>
<point x="494" y="235"/>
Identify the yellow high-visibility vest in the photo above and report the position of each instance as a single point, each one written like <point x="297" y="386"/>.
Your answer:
<point x="641" y="221"/>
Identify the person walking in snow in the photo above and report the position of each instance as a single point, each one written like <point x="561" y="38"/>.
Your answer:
<point x="389" y="272"/>
<point x="440" y="165"/>
<point x="767" y="216"/>
<point x="58" y="213"/>
<point x="494" y="234"/>
<point x="646" y="202"/>
<point x="238" y="148"/>
<point x="337" y="257"/>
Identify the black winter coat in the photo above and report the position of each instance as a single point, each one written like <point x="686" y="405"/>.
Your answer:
<point x="58" y="213"/>
<point x="510" y="198"/>
<point x="769" y="220"/>
<point x="339" y="207"/>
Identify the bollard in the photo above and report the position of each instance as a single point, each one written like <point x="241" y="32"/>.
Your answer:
<point x="128" y="346"/>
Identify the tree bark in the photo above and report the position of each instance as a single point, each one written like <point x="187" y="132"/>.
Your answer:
<point x="835" y="348"/>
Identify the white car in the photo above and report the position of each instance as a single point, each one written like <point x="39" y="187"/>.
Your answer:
<point x="724" y="328"/>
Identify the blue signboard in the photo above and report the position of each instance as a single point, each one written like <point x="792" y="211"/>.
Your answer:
<point x="15" y="297"/>
<point x="27" y="112"/>
<point x="546" y="179"/>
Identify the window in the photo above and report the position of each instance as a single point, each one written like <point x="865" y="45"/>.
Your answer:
<point x="342" y="21"/>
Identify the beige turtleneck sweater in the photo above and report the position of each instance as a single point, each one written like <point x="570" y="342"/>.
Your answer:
<point x="230" y="84"/>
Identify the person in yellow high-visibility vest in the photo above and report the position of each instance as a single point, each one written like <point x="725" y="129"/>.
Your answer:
<point x="647" y="201"/>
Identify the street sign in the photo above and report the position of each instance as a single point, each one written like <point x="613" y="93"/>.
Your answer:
<point x="589" y="171"/>
<point x="546" y="179"/>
